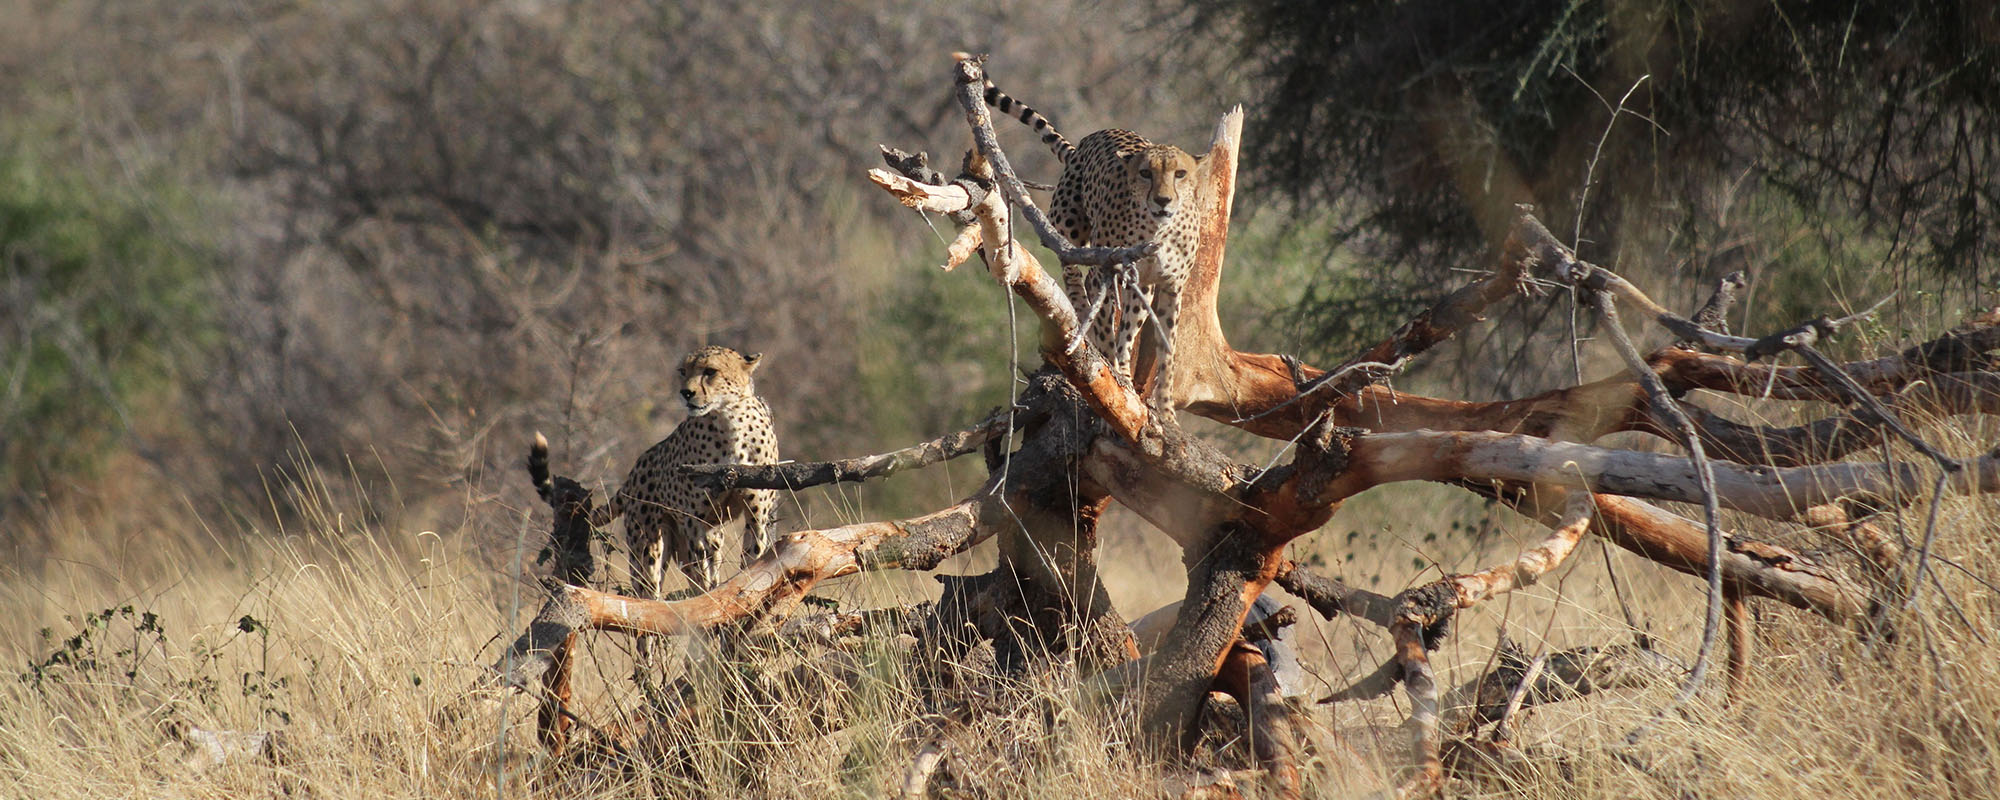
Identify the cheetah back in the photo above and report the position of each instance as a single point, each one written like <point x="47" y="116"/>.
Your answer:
<point x="663" y="509"/>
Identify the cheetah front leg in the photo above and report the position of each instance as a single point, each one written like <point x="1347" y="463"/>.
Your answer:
<point x="1133" y="312"/>
<point x="1167" y="305"/>
<point x="644" y="542"/>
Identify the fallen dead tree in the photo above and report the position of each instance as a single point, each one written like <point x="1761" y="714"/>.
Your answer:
<point x="1082" y="437"/>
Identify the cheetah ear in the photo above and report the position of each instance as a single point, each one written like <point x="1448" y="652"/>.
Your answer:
<point x="750" y="362"/>
<point x="1128" y="157"/>
<point x="1199" y="156"/>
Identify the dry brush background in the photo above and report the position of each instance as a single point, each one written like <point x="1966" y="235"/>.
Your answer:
<point x="287" y="288"/>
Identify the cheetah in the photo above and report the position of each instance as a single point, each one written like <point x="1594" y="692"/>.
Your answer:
<point x="1120" y="190"/>
<point x="664" y="510"/>
<point x="1714" y="314"/>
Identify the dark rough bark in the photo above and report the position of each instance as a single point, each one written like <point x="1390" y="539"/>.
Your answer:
<point x="1221" y="585"/>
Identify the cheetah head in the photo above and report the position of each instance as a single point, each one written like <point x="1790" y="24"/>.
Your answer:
<point x="1163" y="177"/>
<point x="712" y="375"/>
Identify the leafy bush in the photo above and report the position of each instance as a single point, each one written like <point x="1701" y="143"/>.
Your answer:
<point x="100" y="292"/>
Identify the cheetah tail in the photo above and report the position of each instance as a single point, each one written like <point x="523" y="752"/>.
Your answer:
<point x="1031" y="118"/>
<point x="538" y="467"/>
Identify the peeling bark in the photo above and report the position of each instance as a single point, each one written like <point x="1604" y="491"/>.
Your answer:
<point x="1246" y="675"/>
<point x="1756" y="568"/>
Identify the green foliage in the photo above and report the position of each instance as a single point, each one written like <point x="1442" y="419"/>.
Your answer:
<point x="1284" y="289"/>
<point x="128" y="648"/>
<point x="91" y="651"/>
<point x="1421" y="123"/>
<point x="100" y="292"/>
<point x="935" y="360"/>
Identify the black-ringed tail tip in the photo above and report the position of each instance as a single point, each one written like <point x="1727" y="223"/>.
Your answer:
<point x="541" y="442"/>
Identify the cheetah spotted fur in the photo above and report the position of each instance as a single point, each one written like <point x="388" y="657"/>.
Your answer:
<point x="1119" y="190"/>
<point x="666" y="514"/>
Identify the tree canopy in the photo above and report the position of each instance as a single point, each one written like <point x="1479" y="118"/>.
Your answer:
<point x="1419" y="124"/>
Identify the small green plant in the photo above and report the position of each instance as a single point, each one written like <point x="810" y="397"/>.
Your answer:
<point x="125" y="647"/>
<point x="90" y="652"/>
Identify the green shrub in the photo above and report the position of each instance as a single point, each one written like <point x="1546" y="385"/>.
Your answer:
<point x="100" y="293"/>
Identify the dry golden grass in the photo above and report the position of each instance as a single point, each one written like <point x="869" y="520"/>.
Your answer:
<point x="352" y="636"/>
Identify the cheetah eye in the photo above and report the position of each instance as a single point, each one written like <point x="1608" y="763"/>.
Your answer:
<point x="1180" y="173"/>
<point x="1145" y="173"/>
<point x="708" y="372"/>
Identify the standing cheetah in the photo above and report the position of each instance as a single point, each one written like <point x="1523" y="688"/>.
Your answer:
<point x="727" y="424"/>
<point x="1119" y="190"/>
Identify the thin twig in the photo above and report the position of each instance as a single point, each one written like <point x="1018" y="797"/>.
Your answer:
<point x="1670" y="413"/>
<point x="1930" y="535"/>
<point x="798" y="475"/>
<point x="1520" y="693"/>
<point x="1326" y="379"/>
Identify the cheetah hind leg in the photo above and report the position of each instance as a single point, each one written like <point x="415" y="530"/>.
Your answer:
<point x="647" y="567"/>
<point x="757" y="525"/>
<point x="701" y="549"/>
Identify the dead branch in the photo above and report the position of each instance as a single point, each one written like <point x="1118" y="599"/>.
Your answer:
<point x="1667" y="410"/>
<point x="1331" y="598"/>
<point x="798" y="475"/>
<point x="1964" y="350"/>
<point x="1513" y="682"/>
<point x="1268" y="626"/>
<point x="1420" y="684"/>
<point x="765" y="589"/>
<point x="1246" y="675"/>
<point x="1781" y="494"/>
<point x="1516" y="697"/>
<point x="1262" y="394"/>
<point x="1759" y="569"/>
<point x="1742" y="639"/>
<point x="1470" y="590"/>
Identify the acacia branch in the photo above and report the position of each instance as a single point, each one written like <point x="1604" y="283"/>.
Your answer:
<point x="1532" y="564"/>
<point x="1756" y="568"/>
<point x="798" y="475"/>
<point x="1784" y="493"/>
<point x="1667" y="410"/>
<point x="765" y="588"/>
<point x="1266" y="395"/>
